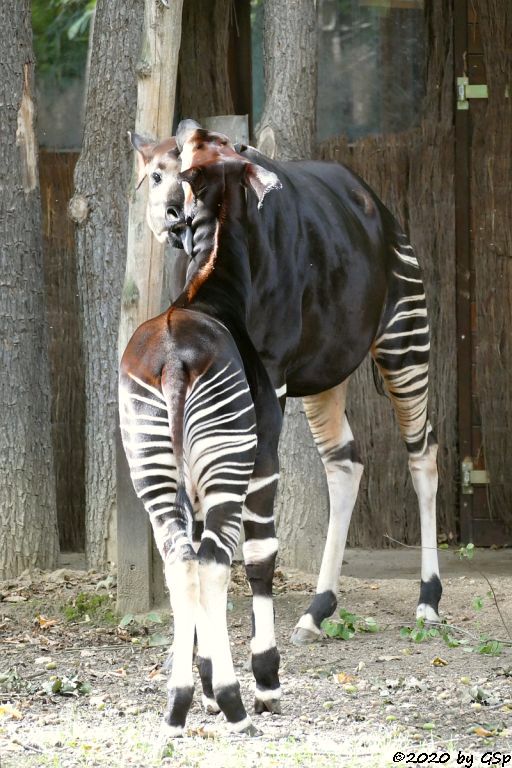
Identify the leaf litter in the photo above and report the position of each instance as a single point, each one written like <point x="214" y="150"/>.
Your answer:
<point x="86" y="687"/>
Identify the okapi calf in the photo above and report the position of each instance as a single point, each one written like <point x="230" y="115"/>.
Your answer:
<point x="198" y="412"/>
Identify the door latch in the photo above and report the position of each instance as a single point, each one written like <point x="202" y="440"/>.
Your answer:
<point x="471" y="477"/>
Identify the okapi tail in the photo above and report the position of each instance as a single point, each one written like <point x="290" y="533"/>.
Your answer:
<point x="176" y="396"/>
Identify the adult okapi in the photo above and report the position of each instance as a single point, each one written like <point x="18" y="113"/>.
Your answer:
<point x="332" y="277"/>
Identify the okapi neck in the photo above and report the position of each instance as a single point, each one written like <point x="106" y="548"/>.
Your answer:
<point x="221" y="282"/>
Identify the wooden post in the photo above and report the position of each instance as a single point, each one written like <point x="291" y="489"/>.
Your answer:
<point x="157" y="74"/>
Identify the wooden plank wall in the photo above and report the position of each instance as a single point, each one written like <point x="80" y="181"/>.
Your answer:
<point x="63" y="313"/>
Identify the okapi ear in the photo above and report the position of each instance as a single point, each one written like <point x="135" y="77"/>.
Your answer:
<point x="261" y="180"/>
<point x="193" y="176"/>
<point x="184" y="131"/>
<point x="145" y="148"/>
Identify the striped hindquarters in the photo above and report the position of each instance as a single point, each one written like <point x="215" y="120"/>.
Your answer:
<point x="220" y="443"/>
<point x="145" y="430"/>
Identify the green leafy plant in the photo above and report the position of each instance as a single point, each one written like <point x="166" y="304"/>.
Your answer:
<point x="466" y="552"/>
<point x="489" y="647"/>
<point x="419" y="633"/>
<point x="86" y="606"/>
<point x="348" y="624"/>
<point x="478" y="603"/>
<point x="66" y="686"/>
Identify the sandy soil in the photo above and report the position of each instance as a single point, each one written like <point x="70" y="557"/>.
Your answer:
<point x="346" y="703"/>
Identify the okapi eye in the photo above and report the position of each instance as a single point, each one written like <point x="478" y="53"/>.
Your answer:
<point x="157" y="177"/>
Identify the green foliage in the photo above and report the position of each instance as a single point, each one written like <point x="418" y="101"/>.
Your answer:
<point x="66" y="686"/>
<point x="61" y="33"/>
<point x="478" y="603"/>
<point x="348" y="624"/>
<point x="419" y="633"/>
<point x="466" y="552"/>
<point x="87" y="605"/>
<point x="489" y="647"/>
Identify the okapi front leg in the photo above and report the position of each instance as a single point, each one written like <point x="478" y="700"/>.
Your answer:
<point x="335" y="442"/>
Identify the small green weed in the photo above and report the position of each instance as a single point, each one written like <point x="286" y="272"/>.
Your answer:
<point x="348" y="624"/>
<point x="466" y="552"/>
<point x="87" y="606"/>
<point x="420" y="634"/>
<point x="66" y="686"/>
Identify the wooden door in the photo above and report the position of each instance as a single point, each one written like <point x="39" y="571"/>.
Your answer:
<point x="483" y="156"/>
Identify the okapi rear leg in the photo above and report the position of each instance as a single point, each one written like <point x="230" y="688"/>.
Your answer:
<point x="408" y="390"/>
<point x="203" y="656"/>
<point x="343" y="467"/>
<point x="214" y="579"/>
<point x="182" y="579"/>
<point x="260" y="551"/>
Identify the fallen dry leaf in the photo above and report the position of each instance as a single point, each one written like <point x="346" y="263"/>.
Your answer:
<point x="483" y="732"/>
<point x="343" y="678"/>
<point x="7" y="710"/>
<point x="121" y="672"/>
<point x="43" y="622"/>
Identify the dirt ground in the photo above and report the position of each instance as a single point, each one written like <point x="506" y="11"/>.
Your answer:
<point x="80" y="686"/>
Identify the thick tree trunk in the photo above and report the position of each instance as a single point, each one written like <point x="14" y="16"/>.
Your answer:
<point x="287" y="129"/>
<point x="28" y="514"/>
<point x="203" y="88"/>
<point x="287" y="132"/>
<point x="100" y="208"/>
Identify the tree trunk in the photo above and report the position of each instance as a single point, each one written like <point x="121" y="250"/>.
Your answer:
<point x="64" y="346"/>
<point x="287" y="132"/>
<point x="287" y="129"/>
<point x="103" y="178"/>
<point x="203" y="88"/>
<point x="28" y="514"/>
<point x="144" y="280"/>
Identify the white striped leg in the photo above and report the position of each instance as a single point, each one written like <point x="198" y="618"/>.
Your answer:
<point x="183" y="582"/>
<point x="402" y="355"/>
<point x="424" y="477"/>
<point x="204" y="662"/>
<point x="214" y="578"/>
<point x="335" y="443"/>
<point x="260" y="550"/>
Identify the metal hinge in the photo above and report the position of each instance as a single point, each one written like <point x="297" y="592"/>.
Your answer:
<point x="471" y="477"/>
<point x="466" y="91"/>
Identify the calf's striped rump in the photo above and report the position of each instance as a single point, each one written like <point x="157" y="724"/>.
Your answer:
<point x="219" y="448"/>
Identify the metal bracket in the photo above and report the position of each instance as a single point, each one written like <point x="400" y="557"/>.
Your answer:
<point x="471" y="477"/>
<point x="466" y="91"/>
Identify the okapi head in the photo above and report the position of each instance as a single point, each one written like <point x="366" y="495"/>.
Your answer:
<point x="159" y="162"/>
<point x="162" y="162"/>
<point x="215" y="173"/>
